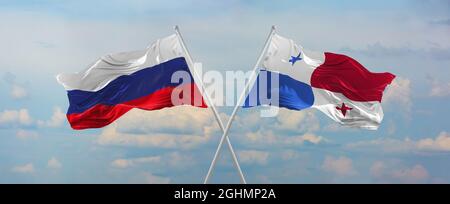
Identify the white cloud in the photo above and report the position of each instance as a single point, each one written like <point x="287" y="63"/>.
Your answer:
<point x="399" y="93"/>
<point x="126" y="163"/>
<point x="171" y="160"/>
<point x="149" y="178"/>
<point x="26" y="134"/>
<point x="22" y="118"/>
<point x="18" y="92"/>
<point x="110" y="136"/>
<point x="377" y="169"/>
<point x="24" y="169"/>
<point x="384" y="144"/>
<point x="15" y="118"/>
<point x="253" y="157"/>
<point x="260" y="137"/>
<point x="336" y="127"/>
<point x="54" y="163"/>
<point x="383" y="172"/>
<point x="341" y="166"/>
<point x="307" y="137"/>
<point x="411" y="175"/>
<point x="122" y="163"/>
<point x="57" y="119"/>
<point x="289" y="128"/>
<point x="178" y="127"/>
<point x="179" y="160"/>
<point x="290" y="155"/>
<point x="439" y="89"/>
<point x="298" y="121"/>
<point x="180" y="119"/>
<point x="440" y="143"/>
<point x="263" y="138"/>
<point x="286" y="120"/>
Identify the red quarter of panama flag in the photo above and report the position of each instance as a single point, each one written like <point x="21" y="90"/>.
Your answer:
<point x="342" y="74"/>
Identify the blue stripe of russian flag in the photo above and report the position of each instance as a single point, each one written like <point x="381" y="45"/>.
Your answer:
<point x="148" y="89"/>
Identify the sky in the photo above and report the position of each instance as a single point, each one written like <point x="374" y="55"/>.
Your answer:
<point x="40" y="39"/>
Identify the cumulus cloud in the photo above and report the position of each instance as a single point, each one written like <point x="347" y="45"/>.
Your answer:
<point x="253" y="157"/>
<point x="18" y="91"/>
<point x="384" y="144"/>
<point x="264" y="138"/>
<point x="57" y="119"/>
<point x="179" y="160"/>
<point x="439" y="143"/>
<point x="297" y="121"/>
<point x="24" y="169"/>
<point x="54" y="163"/>
<point x="383" y="172"/>
<point x="289" y="128"/>
<point x="411" y="175"/>
<point x="149" y="178"/>
<point x="288" y="121"/>
<point x="340" y="166"/>
<point x="439" y="89"/>
<point x="308" y="137"/>
<point x="111" y="136"/>
<point x="126" y="163"/>
<point x="176" y="160"/>
<point x="399" y="94"/>
<point x="336" y="127"/>
<point x="289" y="155"/>
<point x="180" y="119"/>
<point x="15" y="118"/>
<point x="179" y="127"/>
<point x="22" y="118"/>
<point x="26" y="134"/>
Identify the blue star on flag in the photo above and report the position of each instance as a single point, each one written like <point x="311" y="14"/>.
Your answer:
<point x="295" y="58"/>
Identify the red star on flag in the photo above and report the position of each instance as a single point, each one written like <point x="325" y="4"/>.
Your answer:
<point x="344" y="109"/>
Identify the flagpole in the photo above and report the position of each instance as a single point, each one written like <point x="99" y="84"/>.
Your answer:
<point x="213" y="108"/>
<point x="238" y="105"/>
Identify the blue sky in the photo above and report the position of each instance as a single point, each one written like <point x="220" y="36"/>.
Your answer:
<point x="40" y="39"/>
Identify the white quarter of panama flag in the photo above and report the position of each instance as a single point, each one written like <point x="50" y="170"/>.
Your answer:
<point x="340" y="87"/>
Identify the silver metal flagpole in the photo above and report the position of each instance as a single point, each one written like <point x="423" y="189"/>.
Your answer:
<point x="213" y="108"/>
<point x="238" y="105"/>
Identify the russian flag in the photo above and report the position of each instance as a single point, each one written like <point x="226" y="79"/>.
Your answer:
<point x="117" y="83"/>
<point x="335" y="84"/>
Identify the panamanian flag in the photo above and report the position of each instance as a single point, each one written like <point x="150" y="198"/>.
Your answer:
<point x="335" y="84"/>
<point x="117" y="83"/>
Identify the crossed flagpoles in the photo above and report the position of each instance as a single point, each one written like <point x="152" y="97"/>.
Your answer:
<point x="225" y="130"/>
<point x="89" y="101"/>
